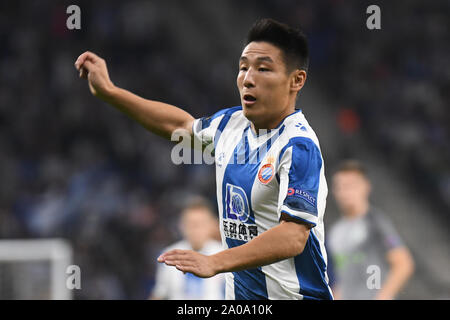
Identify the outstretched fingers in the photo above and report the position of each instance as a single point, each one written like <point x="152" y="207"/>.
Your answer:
<point x="188" y="261"/>
<point x="175" y="255"/>
<point x="180" y="259"/>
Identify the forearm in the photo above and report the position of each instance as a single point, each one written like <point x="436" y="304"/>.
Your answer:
<point x="279" y="243"/>
<point x="401" y="269"/>
<point x="158" y="117"/>
<point x="395" y="280"/>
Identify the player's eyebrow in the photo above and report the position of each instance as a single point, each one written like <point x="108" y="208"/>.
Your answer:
<point x="261" y="59"/>
<point x="265" y="59"/>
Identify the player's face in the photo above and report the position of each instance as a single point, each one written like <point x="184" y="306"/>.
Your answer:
<point x="197" y="226"/>
<point x="350" y="189"/>
<point x="264" y="85"/>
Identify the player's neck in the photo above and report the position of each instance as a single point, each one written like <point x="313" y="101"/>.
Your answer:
<point x="197" y="246"/>
<point x="357" y="210"/>
<point x="274" y="122"/>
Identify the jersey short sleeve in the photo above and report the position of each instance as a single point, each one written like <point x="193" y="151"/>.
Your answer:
<point x="389" y="237"/>
<point x="300" y="164"/>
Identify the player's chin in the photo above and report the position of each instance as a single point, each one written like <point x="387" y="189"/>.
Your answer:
<point x="251" y="111"/>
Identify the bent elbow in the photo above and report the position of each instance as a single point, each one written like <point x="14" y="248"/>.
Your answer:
<point x="298" y="245"/>
<point x="409" y="266"/>
<point x="296" y="235"/>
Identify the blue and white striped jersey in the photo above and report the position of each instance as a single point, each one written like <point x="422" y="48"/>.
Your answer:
<point x="258" y="177"/>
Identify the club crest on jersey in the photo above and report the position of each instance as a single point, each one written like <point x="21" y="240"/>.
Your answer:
<point x="266" y="173"/>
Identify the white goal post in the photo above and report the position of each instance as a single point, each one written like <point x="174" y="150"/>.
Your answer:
<point x="34" y="269"/>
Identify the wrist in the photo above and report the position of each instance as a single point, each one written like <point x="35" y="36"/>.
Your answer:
<point x="217" y="263"/>
<point x="108" y="93"/>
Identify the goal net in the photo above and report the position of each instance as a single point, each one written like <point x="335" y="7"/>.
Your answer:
<point x="34" y="269"/>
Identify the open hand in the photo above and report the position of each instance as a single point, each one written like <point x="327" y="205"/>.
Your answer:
<point x="190" y="261"/>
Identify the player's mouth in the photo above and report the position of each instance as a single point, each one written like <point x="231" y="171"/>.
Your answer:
<point x="249" y="99"/>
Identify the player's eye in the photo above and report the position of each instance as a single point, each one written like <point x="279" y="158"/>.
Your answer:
<point x="263" y="69"/>
<point x="243" y="68"/>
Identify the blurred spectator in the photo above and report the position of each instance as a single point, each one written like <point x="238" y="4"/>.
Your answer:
<point x="199" y="229"/>
<point x="364" y="243"/>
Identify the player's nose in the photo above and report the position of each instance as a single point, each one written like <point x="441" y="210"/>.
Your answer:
<point x="249" y="80"/>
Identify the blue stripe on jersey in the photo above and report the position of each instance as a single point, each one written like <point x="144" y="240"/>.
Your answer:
<point x="206" y="121"/>
<point x="241" y="172"/>
<point x="223" y="123"/>
<point x="311" y="269"/>
<point x="249" y="284"/>
<point x="243" y="166"/>
<point x="298" y="218"/>
<point x="304" y="174"/>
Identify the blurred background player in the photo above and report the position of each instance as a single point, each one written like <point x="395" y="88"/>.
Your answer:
<point x="199" y="229"/>
<point x="364" y="237"/>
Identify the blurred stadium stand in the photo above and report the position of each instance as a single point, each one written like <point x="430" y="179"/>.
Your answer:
<point x="73" y="168"/>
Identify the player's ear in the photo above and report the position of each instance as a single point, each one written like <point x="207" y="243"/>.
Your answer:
<point x="298" y="78"/>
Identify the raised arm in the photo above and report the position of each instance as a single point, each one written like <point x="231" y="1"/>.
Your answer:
<point x="158" y="117"/>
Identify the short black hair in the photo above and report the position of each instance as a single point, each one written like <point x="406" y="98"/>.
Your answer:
<point x="291" y="41"/>
<point x="197" y="202"/>
<point x="351" y="165"/>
